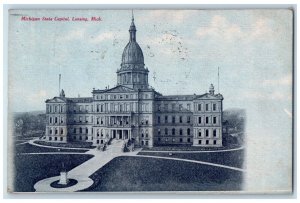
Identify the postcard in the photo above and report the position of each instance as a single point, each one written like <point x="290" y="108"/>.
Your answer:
<point x="157" y="101"/>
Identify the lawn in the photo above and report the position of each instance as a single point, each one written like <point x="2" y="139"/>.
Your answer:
<point x="28" y="169"/>
<point x="71" y="145"/>
<point x="151" y="174"/>
<point x="231" y="158"/>
<point x="28" y="148"/>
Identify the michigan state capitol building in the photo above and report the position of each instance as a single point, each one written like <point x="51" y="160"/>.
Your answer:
<point x="134" y="110"/>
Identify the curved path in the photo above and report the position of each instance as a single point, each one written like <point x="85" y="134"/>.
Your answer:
<point x="32" y="142"/>
<point x="207" y="151"/>
<point x="82" y="172"/>
<point x="194" y="161"/>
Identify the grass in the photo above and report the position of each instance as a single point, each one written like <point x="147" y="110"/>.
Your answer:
<point x="28" y="169"/>
<point x="231" y="158"/>
<point x="71" y="145"/>
<point x="28" y="148"/>
<point x="150" y="174"/>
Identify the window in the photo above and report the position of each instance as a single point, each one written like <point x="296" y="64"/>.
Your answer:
<point x="50" y="131"/>
<point x="206" y="133"/>
<point x="199" y="107"/>
<point x="199" y="141"/>
<point x="56" y="131"/>
<point x="80" y="130"/>
<point x="189" y="107"/>
<point x="214" y="120"/>
<point x="166" y="119"/>
<point x="61" y="139"/>
<point x="50" y="138"/>
<point x="50" y="120"/>
<point x="86" y="130"/>
<point x="173" y="131"/>
<point x="173" y="107"/>
<point x="55" y="138"/>
<point x="188" y="131"/>
<point x="180" y="107"/>
<point x="74" y="130"/>
<point x="146" y="133"/>
<point x="166" y="107"/>
<point x="180" y="131"/>
<point x="215" y="142"/>
<point x="215" y="133"/>
<point x="214" y="107"/>
<point x="158" y="119"/>
<point x="50" y="108"/>
<point x="188" y="119"/>
<point x="55" y="119"/>
<point x="158" y="131"/>
<point x="101" y="108"/>
<point x="166" y="131"/>
<point x="199" y="133"/>
<point x="189" y="139"/>
<point x="158" y="107"/>
<point x="199" y="120"/>
<point x="180" y="119"/>
<point x="147" y="143"/>
<point x="180" y="140"/>
<point x="159" y="139"/>
<point x="206" y="107"/>
<point x="207" y="141"/>
<point x="207" y="120"/>
<point x="173" y="119"/>
<point x="61" y="131"/>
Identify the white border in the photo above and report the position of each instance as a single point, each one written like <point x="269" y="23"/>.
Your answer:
<point x="115" y="4"/>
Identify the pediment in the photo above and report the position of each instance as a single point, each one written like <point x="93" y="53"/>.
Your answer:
<point x="56" y="100"/>
<point x="120" y="88"/>
<point x="209" y="96"/>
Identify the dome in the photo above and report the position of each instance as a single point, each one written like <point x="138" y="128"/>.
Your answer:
<point x="132" y="54"/>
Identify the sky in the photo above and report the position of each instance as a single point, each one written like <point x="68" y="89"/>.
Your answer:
<point x="183" y="50"/>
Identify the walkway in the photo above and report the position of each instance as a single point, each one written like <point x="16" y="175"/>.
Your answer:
<point x="193" y="161"/>
<point x="221" y="150"/>
<point x="53" y="147"/>
<point x="82" y="172"/>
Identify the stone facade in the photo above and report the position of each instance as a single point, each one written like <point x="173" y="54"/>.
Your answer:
<point x="133" y="110"/>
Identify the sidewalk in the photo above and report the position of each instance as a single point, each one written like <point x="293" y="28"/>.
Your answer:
<point x="82" y="172"/>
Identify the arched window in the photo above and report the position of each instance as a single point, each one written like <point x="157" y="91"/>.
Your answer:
<point x="50" y="132"/>
<point x="146" y="133"/>
<point x="188" y="131"/>
<point x="206" y="132"/>
<point x="215" y="133"/>
<point x="50" y="119"/>
<point x="62" y="131"/>
<point x="101" y="108"/>
<point x="86" y="130"/>
<point x="102" y="133"/>
<point x="55" y="119"/>
<point x="180" y="131"/>
<point x="173" y="119"/>
<point x="97" y="132"/>
<point x="56" y="131"/>
<point x="142" y="133"/>
<point x="173" y="131"/>
<point x="199" y="133"/>
<point x="97" y="107"/>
